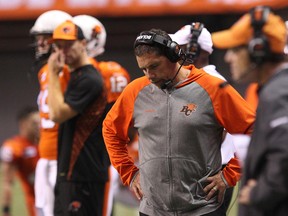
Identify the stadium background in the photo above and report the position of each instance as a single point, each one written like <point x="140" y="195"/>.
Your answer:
<point x="19" y="86"/>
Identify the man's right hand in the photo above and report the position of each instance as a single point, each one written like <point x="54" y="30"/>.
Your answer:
<point x="56" y="61"/>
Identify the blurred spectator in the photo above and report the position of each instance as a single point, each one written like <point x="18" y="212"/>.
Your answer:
<point x="46" y="169"/>
<point x="19" y="156"/>
<point x="83" y="162"/>
<point x="260" y="37"/>
<point x="240" y="69"/>
<point x="115" y="78"/>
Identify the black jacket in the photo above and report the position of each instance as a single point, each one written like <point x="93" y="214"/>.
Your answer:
<point x="267" y="157"/>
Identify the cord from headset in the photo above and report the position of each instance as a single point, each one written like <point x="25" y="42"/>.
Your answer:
<point x="169" y="81"/>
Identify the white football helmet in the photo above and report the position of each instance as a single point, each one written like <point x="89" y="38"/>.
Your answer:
<point x="42" y="31"/>
<point x="48" y="21"/>
<point x="94" y="32"/>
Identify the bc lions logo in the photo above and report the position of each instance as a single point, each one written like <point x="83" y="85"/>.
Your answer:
<point x="74" y="206"/>
<point x="188" y="109"/>
<point x="66" y="30"/>
<point x="96" y="31"/>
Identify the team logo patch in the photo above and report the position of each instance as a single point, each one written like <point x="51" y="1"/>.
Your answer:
<point x="74" y="206"/>
<point x="188" y="109"/>
<point x="96" y="31"/>
<point x="66" y="30"/>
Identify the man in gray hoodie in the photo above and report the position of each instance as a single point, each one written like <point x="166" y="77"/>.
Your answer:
<point x="180" y="114"/>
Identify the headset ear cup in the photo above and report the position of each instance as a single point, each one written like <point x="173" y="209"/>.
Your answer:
<point x="258" y="46"/>
<point x="194" y="51"/>
<point x="193" y="48"/>
<point x="259" y="49"/>
<point x="174" y="52"/>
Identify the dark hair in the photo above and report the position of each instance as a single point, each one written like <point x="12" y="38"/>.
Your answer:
<point x="156" y="48"/>
<point x="26" y="112"/>
<point x="80" y="34"/>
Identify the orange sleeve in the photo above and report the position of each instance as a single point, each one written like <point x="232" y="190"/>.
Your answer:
<point x="251" y="95"/>
<point x="231" y="110"/>
<point x="232" y="172"/>
<point x="115" y="130"/>
<point x="234" y="113"/>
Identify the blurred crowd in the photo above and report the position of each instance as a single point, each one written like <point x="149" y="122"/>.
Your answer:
<point x="173" y="142"/>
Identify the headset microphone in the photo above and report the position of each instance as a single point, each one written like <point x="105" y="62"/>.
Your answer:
<point x="169" y="81"/>
<point x="166" y="84"/>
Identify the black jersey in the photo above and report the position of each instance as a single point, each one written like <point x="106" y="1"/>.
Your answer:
<point x="82" y="154"/>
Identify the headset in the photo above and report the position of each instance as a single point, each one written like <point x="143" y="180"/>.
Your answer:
<point x="258" y="47"/>
<point x="172" y="50"/>
<point x="193" y="48"/>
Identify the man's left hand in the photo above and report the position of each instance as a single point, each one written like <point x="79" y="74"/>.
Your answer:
<point x="216" y="185"/>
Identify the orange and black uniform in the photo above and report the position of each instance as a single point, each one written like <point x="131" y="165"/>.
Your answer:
<point x="114" y="76"/>
<point x="115" y="79"/>
<point x="45" y="174"/>
<point x="24" y="155"/>
<point x="48" y="128"/>
<point x="83" y="161"/>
